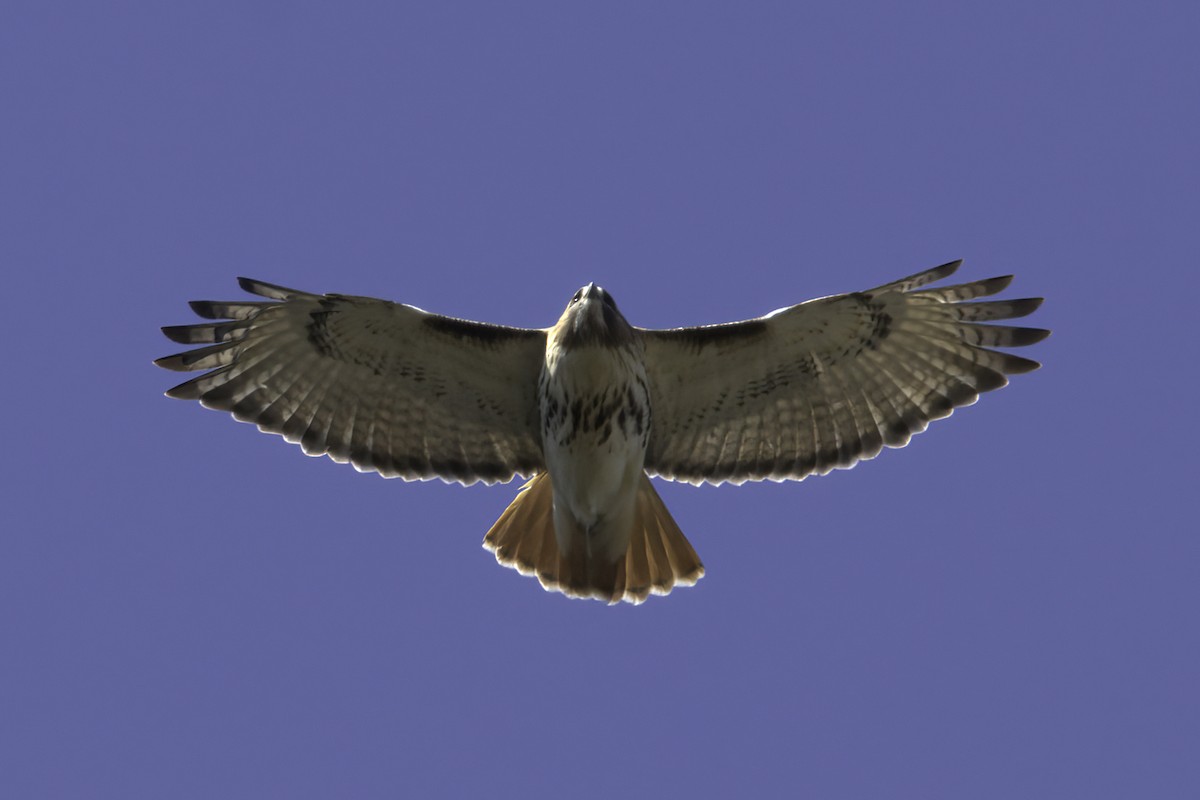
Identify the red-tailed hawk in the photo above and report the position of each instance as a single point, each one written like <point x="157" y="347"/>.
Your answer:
<point x="591" y="406"/>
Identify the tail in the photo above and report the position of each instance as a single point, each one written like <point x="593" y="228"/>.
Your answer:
<point x="659" y="555"/>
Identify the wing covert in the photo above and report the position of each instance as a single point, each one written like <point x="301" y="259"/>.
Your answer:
<point x="385" y="386"/>
<point x="827" y="383"/>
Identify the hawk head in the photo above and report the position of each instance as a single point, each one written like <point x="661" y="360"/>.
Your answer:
<point x="592" y="318"/>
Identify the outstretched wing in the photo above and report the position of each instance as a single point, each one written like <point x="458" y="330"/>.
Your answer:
<point x="827" y="383"/>
<point x="388" y="387"/>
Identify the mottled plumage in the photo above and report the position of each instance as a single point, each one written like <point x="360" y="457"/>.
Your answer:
<point x="589" y="407"/>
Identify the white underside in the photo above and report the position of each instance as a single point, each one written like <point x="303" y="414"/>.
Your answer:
<point x="595" y="482"/>
<point x="590" y="480"/>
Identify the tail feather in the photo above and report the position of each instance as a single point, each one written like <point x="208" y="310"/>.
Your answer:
<point x="523" y="537"/>
<point x="660" y="572"/>
<point x="659" y="556"/>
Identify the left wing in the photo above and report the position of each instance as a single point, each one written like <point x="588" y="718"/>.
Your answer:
<point x="388" y="387"/>
<point x="827" y="383"/>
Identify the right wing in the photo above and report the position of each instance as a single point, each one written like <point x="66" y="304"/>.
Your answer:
<point x="387" y="387"/>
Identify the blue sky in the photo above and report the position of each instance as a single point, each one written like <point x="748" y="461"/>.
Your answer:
<point x="1006" y="608"/>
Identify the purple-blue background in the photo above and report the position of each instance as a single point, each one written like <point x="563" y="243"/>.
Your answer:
<point x="190" y="609"/>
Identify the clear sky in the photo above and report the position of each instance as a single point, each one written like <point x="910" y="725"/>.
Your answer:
<point x="1007" y="608"/>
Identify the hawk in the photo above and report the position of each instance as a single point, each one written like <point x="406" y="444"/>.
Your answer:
<point x="590" y="407"/>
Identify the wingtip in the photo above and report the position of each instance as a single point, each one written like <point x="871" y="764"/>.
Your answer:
<point x="205" y="309"/>
<point x="942" y="271"/>
<point x="1026" y="306"/>
<point x="184" y="391"/>
<point x="179" y="362"/>
<point x="1032" y="336"/>
<point x="922" y="278"/>
<point x="999" y="283"/>
<point x="180" y="334"/>
<point x="1019" y="365"/>
<point x="269" y="290"/>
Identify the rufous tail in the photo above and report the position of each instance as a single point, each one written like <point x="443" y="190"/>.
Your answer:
<point x="659" y="557"/>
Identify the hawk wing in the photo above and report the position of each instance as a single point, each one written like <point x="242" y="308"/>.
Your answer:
<point x="824" y="384"/>
<point x="388" y="387"/>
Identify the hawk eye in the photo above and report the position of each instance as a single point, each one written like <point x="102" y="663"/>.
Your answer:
<point x="578" y="295"/>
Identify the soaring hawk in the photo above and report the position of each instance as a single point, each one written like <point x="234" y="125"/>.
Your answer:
<point x="589" y="407"/>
